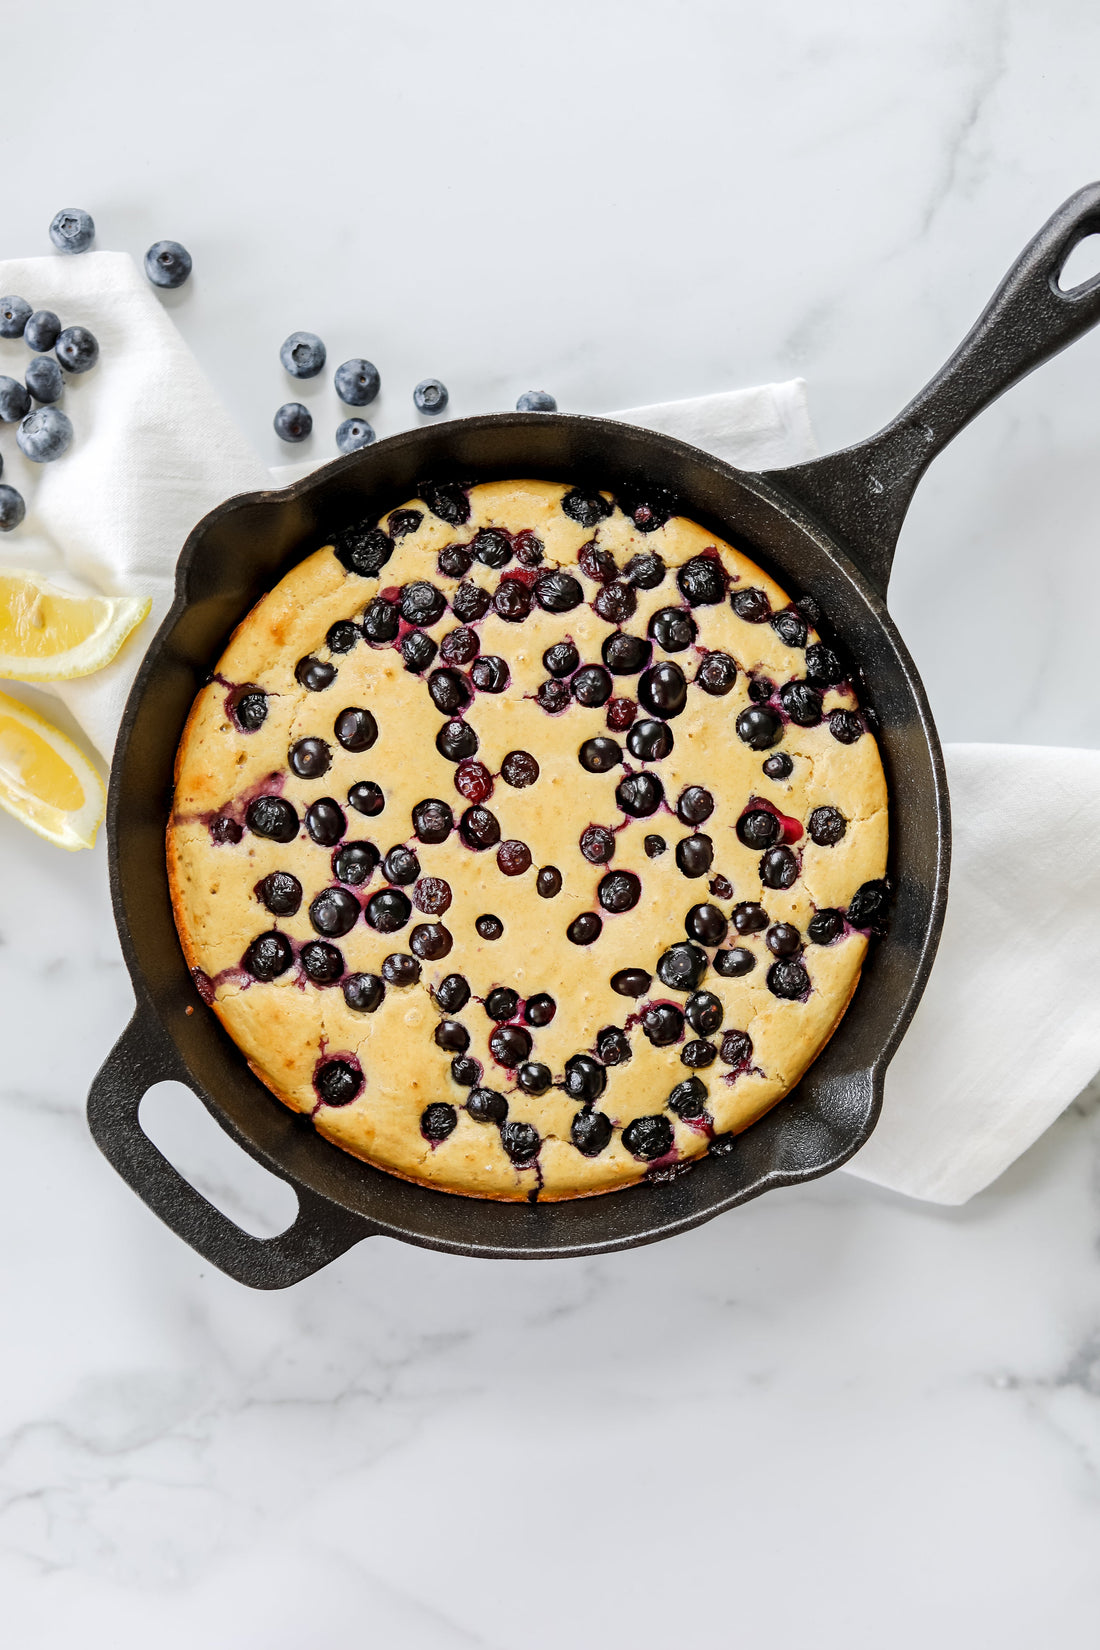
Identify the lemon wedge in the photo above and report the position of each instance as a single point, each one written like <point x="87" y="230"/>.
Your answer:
<point x="45" y="781"/>
<point x="49" y="635"/>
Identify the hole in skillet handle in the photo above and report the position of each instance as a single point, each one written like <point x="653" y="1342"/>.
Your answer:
<point x="1081" y="268"/>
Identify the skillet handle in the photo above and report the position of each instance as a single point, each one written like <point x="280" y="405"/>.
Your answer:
<point x="862" y="493"/>
<point x="143" y="1056"/>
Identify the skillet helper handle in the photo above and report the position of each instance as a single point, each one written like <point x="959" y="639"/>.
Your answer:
<point x="862" y="493"/>
<point x="142" y="1057"/>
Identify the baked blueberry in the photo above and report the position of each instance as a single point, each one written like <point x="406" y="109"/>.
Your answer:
<point x="600" y="755"/>
<point x="456" y="740"/>
<point x="585" y="508"/>
<point x="757" y="828"/>
<point x="650" y="741"/>
<point x="682" y="967"/>
<point x="400" y="969"/>
<point x="510" y="1045"/>
<point x="662" y="689"/>
<point x="223" y="830"/>
<point x="367" y="798"/>
<point x="473" y="781"/>
<point x="521" y="1141"/>
<point x="585" y="1079"/>
<point x="694" y="805"/>
<point x="689" y="1098"/>
<point x="733" y="963"/>
<point x="479" y="829"/>
<point x="502" y="1003"/>
<point x="321" y="962"/>
<point x="590" y="1132"/>
<point x="778" y="766"/>
<point x="616" y="602"/>
<point x="827" y="826"/>
<point x="449" y="500"/>
<point x="721" y="887"/>
<point x="558" y="592"/>
<point x="702" y="581"/>
<point x="823" y="667"/>
<point x="736" y="1048"/>
<point x="280" y="893"/>
<point x="454" y="561"/>
<point x="663" y="1023"/>
<point x="432" y="895"/>
<point x="695" y="855"/>
<point x="489" y="674"/>
<point x="460" y="647"/>
<point x="788" y="979"/>
<point x="752" y="605"/>
<point x="583" y="930"/>
<point x="421" y="603"/>
<point x="639" y="794"/>
<point x="631" y="982"/>
<point x="430" y="396"/>
<point x="355" y="729"/>
<point x="783" y="940"/>
<point x="470" y="602"/>
<point x="620" y="714"/>
<point x="42" y="330"/>
<point x="489" y="927"/>
<point x="354" y="863"/>
<point x="552" y="696"/>
<point x="673" y="629"/>
<point x="612" y="1046"/>
<point x="706" y="924"/>
<point x="704" y="1013"/>
<point x="869" y="906"/>
<point x="342" y="636"/>
<point x="487" y="1106"/>
<point x="448" y="690"/>
<point x="363" y="992"/>
<point x="381" y="621"/>
<point x="388" y="910"/>
<point x="802" y="703"/>
<point x="432" y="820"/>
<point x="779" y="868"/>
<point x="655" y="846"/>
<point x="591" y="685"/>
<point x="357" y="382"/>
<point x="466" y="1073"/>
<point x="534" y="1078"/>
<point x="619" y="891"/>
<point x="647" y="508"/>
<point x="716" y="674"/>
<point x="438" y="1120"/>
<point x="512" y="601"/>
<point x="540" y="401"/>
<point x="561" y="659"/>
<point x="272" y="816"/>
<point x="268" y="956"/>
<point x="759" y="727"/>
<point x="452" y="993"/>
<point x="364" y="549"/>
<point x="790" y="627"/>
<point x="761" y="689"/>
<point x="334" y="912"/>
<point x="529" y="548"/>
<point x="597" y="844"/>
<point x="452" y="1036"/>
<point x="326" y="821"/>
<point x="825" y="927"/>
<point x="596" y="562"/>
<point x="646" y="570"/>
<point x="302" y="354"/>
<point x="548" y="882"/>
<point x="749" y="918"/>
<point x="648" y="1138"/>
<point x="538" y="1010"/>
<point x="418" y="651"/>
<point x="623" y="654"/>
<point x="513" y="858"/>
<point x="698" y="1053"/>
<point x="338" y="1082"/>
<point x="845" y="726"/>
<point x="492" y="547"/>
<point x="310" y="758"/>
<point x="401" y="865"/>
<point x="77" y="349"/>
<point x="519" y="769"/>
<point x="315" y="674"/>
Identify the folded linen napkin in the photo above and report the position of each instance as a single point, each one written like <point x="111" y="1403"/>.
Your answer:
<point x="1008" y="1032"/>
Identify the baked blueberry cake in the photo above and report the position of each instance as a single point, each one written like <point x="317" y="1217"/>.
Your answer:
<point x="529" y="840"/>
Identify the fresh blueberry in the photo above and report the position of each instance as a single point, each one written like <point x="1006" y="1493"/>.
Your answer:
<point x="682" y="967"/>
<point x="733" y="963"/>
<point x="648" y="1138"/>
<point x="44" y="380"/>
<point x="707" y="924"/>
<point x="293" y="422"/>
<point x="352" y="434"/>
<point x="548" y="882"/>
<point x="521" y="1142"/>
<point x="368" y="798"/>
<point x="72" y="230"/>
<point x="430" y="396"/>
<point x="364" y="549"/>
<point x="631" y="982"/>
<point x="487" y="1106"/>
<point x="716" y="674"/>
<point x="536" y="401"/>
<point x="268" y="956"/>
<point x="167" y="263"/>
<point x="662" y="689"/>
<point x="363" y="992"/>
<point x="788" y="979"/>
<point x="357" y="383"/>
<point x="77" y="349"/>
<point x="15" y="402"/>
<point x="585" y="929"/>
<point x="590" y="1132"/>
<point x="489" y="927"/>
<point x="42" y="331"/>
<point x="827" y="826"/>
<point x="14" y="315"/>
<point x="302" y="354"/>
<point x="44" y="435"/>
<point x="619" y="891"/>
<point x="689" y="1098"/>
<point x="759" y="727"/>
<point x="584" y="1079"/>
<point x="825" y="926"/>
<point x="704" y="1013"/>
<point x="695" y="855"/>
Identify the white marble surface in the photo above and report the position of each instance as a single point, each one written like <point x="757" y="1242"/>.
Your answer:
<point x="833" y="1416"/>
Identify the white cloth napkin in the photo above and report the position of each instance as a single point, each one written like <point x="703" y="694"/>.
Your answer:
<point x="1008" y="1032"/>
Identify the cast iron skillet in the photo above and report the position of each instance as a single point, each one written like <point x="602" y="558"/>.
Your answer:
<point x="828" y="528"/>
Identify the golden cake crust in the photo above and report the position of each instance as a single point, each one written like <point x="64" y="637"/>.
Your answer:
<point x="289" y="1027"/>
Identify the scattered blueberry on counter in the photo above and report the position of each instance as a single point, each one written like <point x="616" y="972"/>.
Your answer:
<point x="15" y="402"/>
<point x="167" y="263"/>
<point x="536" y="401"/>
<point x="77" y="349"/>
<point x="72" y="230"/>
<point x="44" y="435"/>
<point x="42" y="331"/>
<point x="357" y="382"/>
<point x="430" y="396"/>
<point x="303" y="355"/>
<point x="12" y="508"/>
<point x="353" y="434"/>
<point x="293" y="422"/>
<point x="14" y="315"/>
<point x="44" y="380"/>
